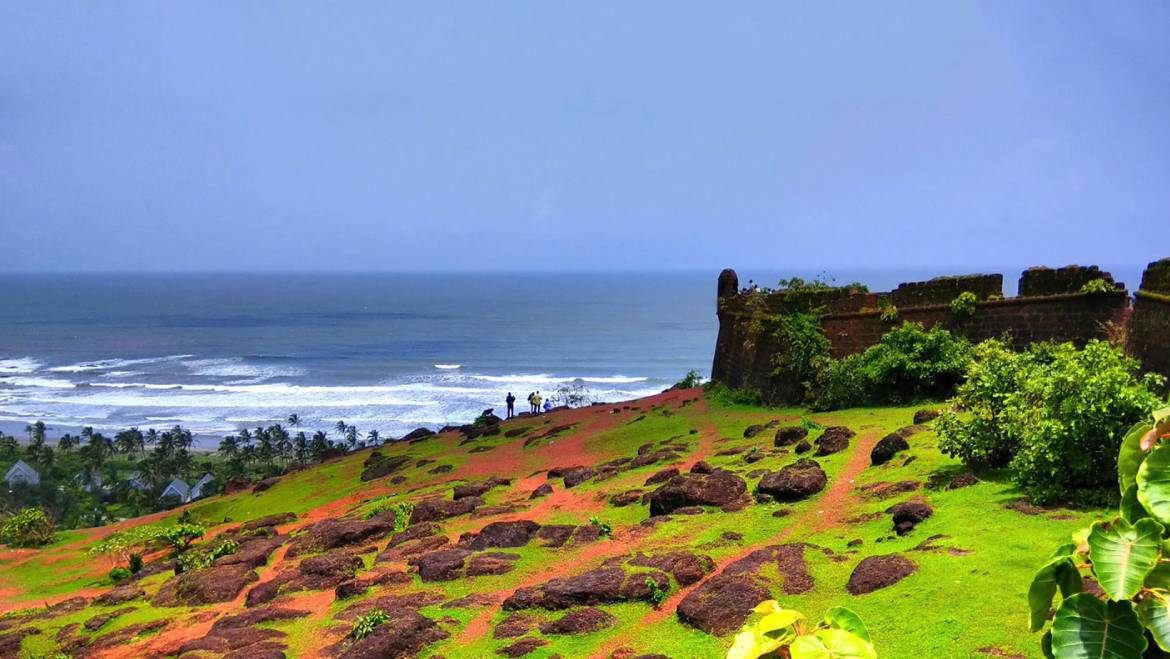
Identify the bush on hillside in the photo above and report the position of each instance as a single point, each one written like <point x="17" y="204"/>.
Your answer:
<point x="30" y="527"/>
<point x="907" y="365"/>
<point x="802" y="343"/>
<point x="692" y="379"/>
<point x="723" y="395"/>
<point x="1054" y="414"/>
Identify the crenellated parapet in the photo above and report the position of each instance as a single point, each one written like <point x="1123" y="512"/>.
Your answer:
<point x="1053" y="304"/>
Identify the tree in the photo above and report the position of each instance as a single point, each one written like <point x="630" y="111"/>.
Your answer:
<point x="372" y="437"/>
<point x="129" y="441"/>
<point x="294" y="420"/>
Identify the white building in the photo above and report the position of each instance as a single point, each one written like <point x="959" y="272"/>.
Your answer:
<point x="21" y="472"/>
<point x="177" y="489"/>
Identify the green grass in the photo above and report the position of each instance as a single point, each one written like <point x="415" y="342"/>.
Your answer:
<point x="958" y="602"/>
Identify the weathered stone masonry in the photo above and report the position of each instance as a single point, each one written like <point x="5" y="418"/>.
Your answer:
<point x="1049" y="306"/>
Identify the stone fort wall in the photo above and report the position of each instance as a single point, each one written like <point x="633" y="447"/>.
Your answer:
<point x="1049" y="307"/>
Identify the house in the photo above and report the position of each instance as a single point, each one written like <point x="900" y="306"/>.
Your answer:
<point x="135" y="482"/>
<point x="176" y="490"/>
<point x="197" y="489"/>
<point x="21" y="472"/>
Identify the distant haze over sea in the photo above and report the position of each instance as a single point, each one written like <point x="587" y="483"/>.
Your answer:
<point x="218" y="352"/>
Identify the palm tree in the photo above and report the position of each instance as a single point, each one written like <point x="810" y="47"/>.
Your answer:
<point x="128" y="441"/>
<point x="67" y="442"/>
<point x="318" y="445"/>
<point x="301" y="448"/>
<point x="351" y="437"/>
<point x="372" y="437"/>
<point x="341" y="427"/>
<point x="294" y="420"/>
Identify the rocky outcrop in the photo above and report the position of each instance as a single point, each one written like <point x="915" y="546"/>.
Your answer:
<point x="343" y="532"/>
<point x="721" y="604"/>
<point x="834" y="440"/>
<point x="795" y="482"/>
<point x="581" y="621"/>
<point x="605" y="585"/>
<point x="215" y="584"/>
<point x="501" y="535"/>
<point x="910" y="514"/>
<point x="435" y="509"/>
<point x="789" y="435"/>
<point x="878" y="572"/>
<point x="718" y="488"/>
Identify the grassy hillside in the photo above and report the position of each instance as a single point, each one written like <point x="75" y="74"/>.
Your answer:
<point x="972" y="559"/>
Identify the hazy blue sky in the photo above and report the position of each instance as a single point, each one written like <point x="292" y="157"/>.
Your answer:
<point x="582" y="135"/>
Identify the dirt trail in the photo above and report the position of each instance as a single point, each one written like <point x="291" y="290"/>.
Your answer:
<point x="829" y="511"/>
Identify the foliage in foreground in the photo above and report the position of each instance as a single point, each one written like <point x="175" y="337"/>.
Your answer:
<point x="907" y="365"/>
<point x="30" y="527"/>
<point x="1128" y="556"/>
<point x="1054" y="414"/>
<point x="840" y="634"/>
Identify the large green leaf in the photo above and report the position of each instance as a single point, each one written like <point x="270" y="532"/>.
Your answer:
<point x="831" y="644"/>
<point x="1154" y="612"/>
<point x="1087" y="628"/>
<point x="1131" y="508"/>
<point x="1153" y="481"/>
<point x="1130" y="455"/>
<point x="839" y="617"/>
<point x="1124" y="554"/>
<point x="1159" y="577"/>
<point x="1059" y="572"/>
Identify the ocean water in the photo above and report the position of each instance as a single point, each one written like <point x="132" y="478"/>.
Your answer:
<point x="217" y="352"/>
<point x="391" y="352"/>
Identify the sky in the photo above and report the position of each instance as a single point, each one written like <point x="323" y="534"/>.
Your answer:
<point x="534" y="135"/>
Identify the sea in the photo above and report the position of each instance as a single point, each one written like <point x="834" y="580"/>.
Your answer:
<point x="388" y="352"/>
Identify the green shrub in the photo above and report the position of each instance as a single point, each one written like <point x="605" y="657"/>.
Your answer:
<point x="1054" y="414"/>
<point x="889" y="314"/>
<point x="725" y="396"/>
<point x="1127" y="556"/>
<point x="31" y="527"/>
<point x="120" y="573"/>
<point x="657" y="594"/>
<point x="691" y="380"/>
<point x="1097" y="286"/>
<point x="135" y="563"/>
<point x="604" y="527"/>
<point x="365" y="625"/>
<point x="964" y="305"/>
<point x="802" y="342"/>
<point x="907" y="365"/>
<point x="402" y="512"/>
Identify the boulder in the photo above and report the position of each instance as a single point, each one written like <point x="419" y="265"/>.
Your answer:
<point x="441" y="565"/>
<point x="435" y="509"/>
<point x="478" y="489"/>
<point x="554" y="535"/>
<point x="718" y="488"/>
<point x="601" y="586"/>
<point x="404" y="634"/>
<point x="925" y="416"/>
<point x="626" y="498"/>
<point x="542" y="491"/>
<point x="581" y="621"/>
<point x="887" y="447"/>
<point x="685" y="567"/>
<point x="515" y="626"/>
<point x="878" y="572"/>
<point x="834" y="440"/>
<point x="908" y="515"/>
<point x="377" y="465"/>
<point x="214" y="584"/>
<point x="265" y="484"/>
<point x="574" y="476"/>
<point x="267" y="522"/>
<point x="802" y="447"/>
<point x="491" y="563"/>
<point x="501" y="534"/>
<point x="789" y="435"/>
<point x="522" y="647"/>
<point x="122" y="594"/>
<point x="701" y="467"/>
<point x="662" y="476"/>
<point x="253" y="551"/>
<point x="794" y="482"/>
<point x="722" y="604"/>
<point x="417" y="434"/>
<point x="752" y="431"/>
<point x="341" y="532"/>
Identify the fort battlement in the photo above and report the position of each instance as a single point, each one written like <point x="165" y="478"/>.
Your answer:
<point x="1050" y="306"/>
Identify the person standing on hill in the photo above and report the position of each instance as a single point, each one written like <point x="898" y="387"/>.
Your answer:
<point x="531" y="409"/>
<point x="536" y="402"/>
<point x="511" y="401"/>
